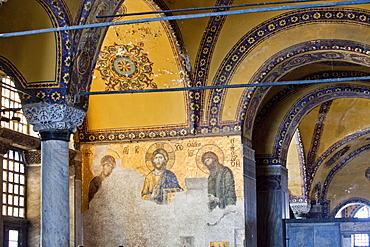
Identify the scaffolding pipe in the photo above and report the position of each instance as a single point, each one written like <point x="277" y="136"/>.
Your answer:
<point x="221" y="7"/>
<point x="183" y="17"/>
<point x="266" y="84"/>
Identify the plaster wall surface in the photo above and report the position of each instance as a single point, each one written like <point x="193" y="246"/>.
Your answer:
<point x="118" y="214"/>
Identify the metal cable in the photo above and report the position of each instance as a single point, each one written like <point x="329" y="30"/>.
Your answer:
<point x="205" y="8"/>
<point x="183" y="17"/>
<point x="267" y="84"/>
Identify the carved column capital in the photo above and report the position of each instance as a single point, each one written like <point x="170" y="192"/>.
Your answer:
<point x="54" y="121"/>
<point x="5" y="145"/>
<point x="300" y="206"/>
<point x="33" y="157"/>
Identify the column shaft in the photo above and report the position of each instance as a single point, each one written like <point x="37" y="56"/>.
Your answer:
<point x="250" y="207"/>
<point x="271" y="203"/>
<point x="54" y="193"/>
<point x="55" y="122"/>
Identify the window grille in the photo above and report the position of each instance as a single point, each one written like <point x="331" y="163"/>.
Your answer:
<point x="14" y="185"/>
<point x="362" y="239"/>
<point x="10" y="99"/>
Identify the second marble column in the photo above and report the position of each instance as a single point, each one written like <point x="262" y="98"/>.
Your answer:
<point x="54" y="190"/>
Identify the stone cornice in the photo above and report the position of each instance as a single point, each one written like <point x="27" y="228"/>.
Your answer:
<point x="19" y="140"/>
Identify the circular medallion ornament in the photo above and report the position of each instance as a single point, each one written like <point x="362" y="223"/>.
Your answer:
<point x="125" y="67"/>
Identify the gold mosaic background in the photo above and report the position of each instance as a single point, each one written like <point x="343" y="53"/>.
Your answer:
<point x="186" y="162"/>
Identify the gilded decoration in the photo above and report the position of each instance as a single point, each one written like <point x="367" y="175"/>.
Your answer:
<point x="162" y="168"/>
<point x="125" y="67"/>
<point x="213" y="123"/>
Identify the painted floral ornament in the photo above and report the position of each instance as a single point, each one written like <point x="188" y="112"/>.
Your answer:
<point x="125" y="67"/>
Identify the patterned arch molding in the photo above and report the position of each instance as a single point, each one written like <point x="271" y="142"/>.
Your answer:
<point x="292" y="58"/>
<point x="54" y="92"/>
<point x="343" y="204"/>
<point x="87" y="44"/>
<point x="204" y="55"/>
<point x="289" y="90"/>
<point x="319" y="128"/>
<point x="334" y="148"/>
<point x="302" y="162"/>
<point x="262" y="32"/>
<point x="339" y="166"/>
<point x="306" y="103"/>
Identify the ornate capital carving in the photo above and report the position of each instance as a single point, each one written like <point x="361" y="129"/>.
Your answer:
<point x="33" y="157"/>
<point x="300" y="206"/>
<point x="50" y="117"/>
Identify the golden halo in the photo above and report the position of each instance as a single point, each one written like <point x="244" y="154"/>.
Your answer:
<point x="113" y="153"/>
<point x="208" y="148"/>
<point x="157" y="145"/>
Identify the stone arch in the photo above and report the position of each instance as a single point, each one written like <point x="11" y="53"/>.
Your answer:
<point x="260" y="102"/>
<point x="354" y="200"/>
<point x="305" y="104"/>
<point x="249" y="42"/>
<point x="285" y="62"/>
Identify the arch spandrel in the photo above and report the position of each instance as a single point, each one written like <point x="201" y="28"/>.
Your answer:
<point x="138" y="56"/>
<point x="341" y="188"/>
<point x="328" y="54"/>
<point x="258" y="57"/>
<point x="35" y="56"/>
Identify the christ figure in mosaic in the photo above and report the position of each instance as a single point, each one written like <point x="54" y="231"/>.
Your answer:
<point x="160" y="184"/>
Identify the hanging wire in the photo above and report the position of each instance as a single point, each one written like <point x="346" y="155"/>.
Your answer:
<point x="183" y="17"/>
<point x="222" y="7"/>
<point x="266" y="84"/>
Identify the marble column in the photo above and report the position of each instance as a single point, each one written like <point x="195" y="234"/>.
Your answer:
<point x="272" y="205"/>
<point x="249" y="167"/>
<point x="55" y="124"/>
<point x="4" y="148"/>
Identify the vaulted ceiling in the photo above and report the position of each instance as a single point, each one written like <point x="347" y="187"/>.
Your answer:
<point x="319" y="131"/>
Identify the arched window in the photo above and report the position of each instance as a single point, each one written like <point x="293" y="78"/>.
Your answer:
<point x="356" y="210"/>
<point x="11" y="113"/>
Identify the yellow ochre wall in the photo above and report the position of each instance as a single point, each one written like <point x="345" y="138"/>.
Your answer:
<point x="141" y="109"/>
<point x="33" y="55"/>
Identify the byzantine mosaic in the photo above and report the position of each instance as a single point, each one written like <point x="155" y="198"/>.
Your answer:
<point x="198" y="196"/>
